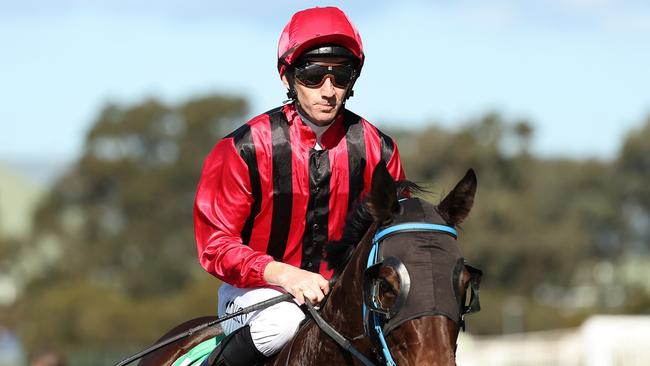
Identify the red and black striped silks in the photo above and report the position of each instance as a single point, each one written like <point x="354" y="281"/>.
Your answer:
<point x="266" y="194"/>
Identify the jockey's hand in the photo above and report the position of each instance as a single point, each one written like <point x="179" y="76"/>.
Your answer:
<point x="298" y="282"/>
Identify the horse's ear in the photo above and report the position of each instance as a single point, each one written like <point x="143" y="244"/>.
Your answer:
<point x="382" y="202"/>
<point x="456" y="206"/>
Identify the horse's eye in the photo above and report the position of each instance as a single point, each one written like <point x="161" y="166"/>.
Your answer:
<point x="388" y="289"/>
<point x="385" y="289"/>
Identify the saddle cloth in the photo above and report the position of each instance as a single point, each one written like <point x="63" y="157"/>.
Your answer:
<point x="198" y="353"/>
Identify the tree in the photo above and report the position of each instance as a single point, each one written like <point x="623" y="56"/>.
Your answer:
<point x="530" y="214"/>
<point x="633" y="187"/>
<point x="120" y="223"/>
<point x="122" y="216"/>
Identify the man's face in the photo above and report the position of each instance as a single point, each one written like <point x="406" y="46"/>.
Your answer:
<point x="321" y="103"/>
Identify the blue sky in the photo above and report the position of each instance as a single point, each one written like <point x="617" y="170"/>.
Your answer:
<point x="577" y="69"/>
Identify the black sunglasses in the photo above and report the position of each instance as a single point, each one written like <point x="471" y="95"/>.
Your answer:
<point x="313" y="75"/>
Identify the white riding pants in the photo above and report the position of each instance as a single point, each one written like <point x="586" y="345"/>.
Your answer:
<point x="271" y="328"/>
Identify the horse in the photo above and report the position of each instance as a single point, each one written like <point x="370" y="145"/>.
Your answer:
<point x="406" y="307"/>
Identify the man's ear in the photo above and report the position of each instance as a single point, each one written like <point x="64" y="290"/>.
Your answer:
<point x="285" y="82"/>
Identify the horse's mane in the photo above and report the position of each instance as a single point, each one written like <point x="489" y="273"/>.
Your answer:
<point x="357" y="223"/>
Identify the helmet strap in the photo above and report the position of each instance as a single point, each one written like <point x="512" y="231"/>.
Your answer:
<point x="291" y="93"/>
<point x="350" y="93"/>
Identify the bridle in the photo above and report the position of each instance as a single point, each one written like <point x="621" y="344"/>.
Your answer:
<point x="374" y="314"/>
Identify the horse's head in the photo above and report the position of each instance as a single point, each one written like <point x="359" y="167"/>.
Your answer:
<point x="416" y="280"/>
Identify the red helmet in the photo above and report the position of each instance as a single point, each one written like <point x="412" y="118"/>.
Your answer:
<point x="318" y="26"/>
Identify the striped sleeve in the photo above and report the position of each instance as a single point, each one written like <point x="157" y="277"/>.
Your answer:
<point x="224" y="210"/>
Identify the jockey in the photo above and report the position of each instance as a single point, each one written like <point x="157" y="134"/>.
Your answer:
<point x="277" y="189"/>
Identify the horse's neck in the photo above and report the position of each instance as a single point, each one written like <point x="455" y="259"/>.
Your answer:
<point x="345" y="303"/>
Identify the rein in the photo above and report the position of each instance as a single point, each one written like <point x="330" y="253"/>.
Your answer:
<point x="254" y="307"/>
<point x="322" y="324"/>
<point x="336" y="336"/>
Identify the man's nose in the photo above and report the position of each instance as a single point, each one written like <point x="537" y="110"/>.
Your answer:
<point x="327" y="89"/>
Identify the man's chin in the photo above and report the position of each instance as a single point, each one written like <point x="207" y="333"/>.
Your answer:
<point x="325" y="119"/>
<point x="326" y="115"/>
<point x="321" y="115"/>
